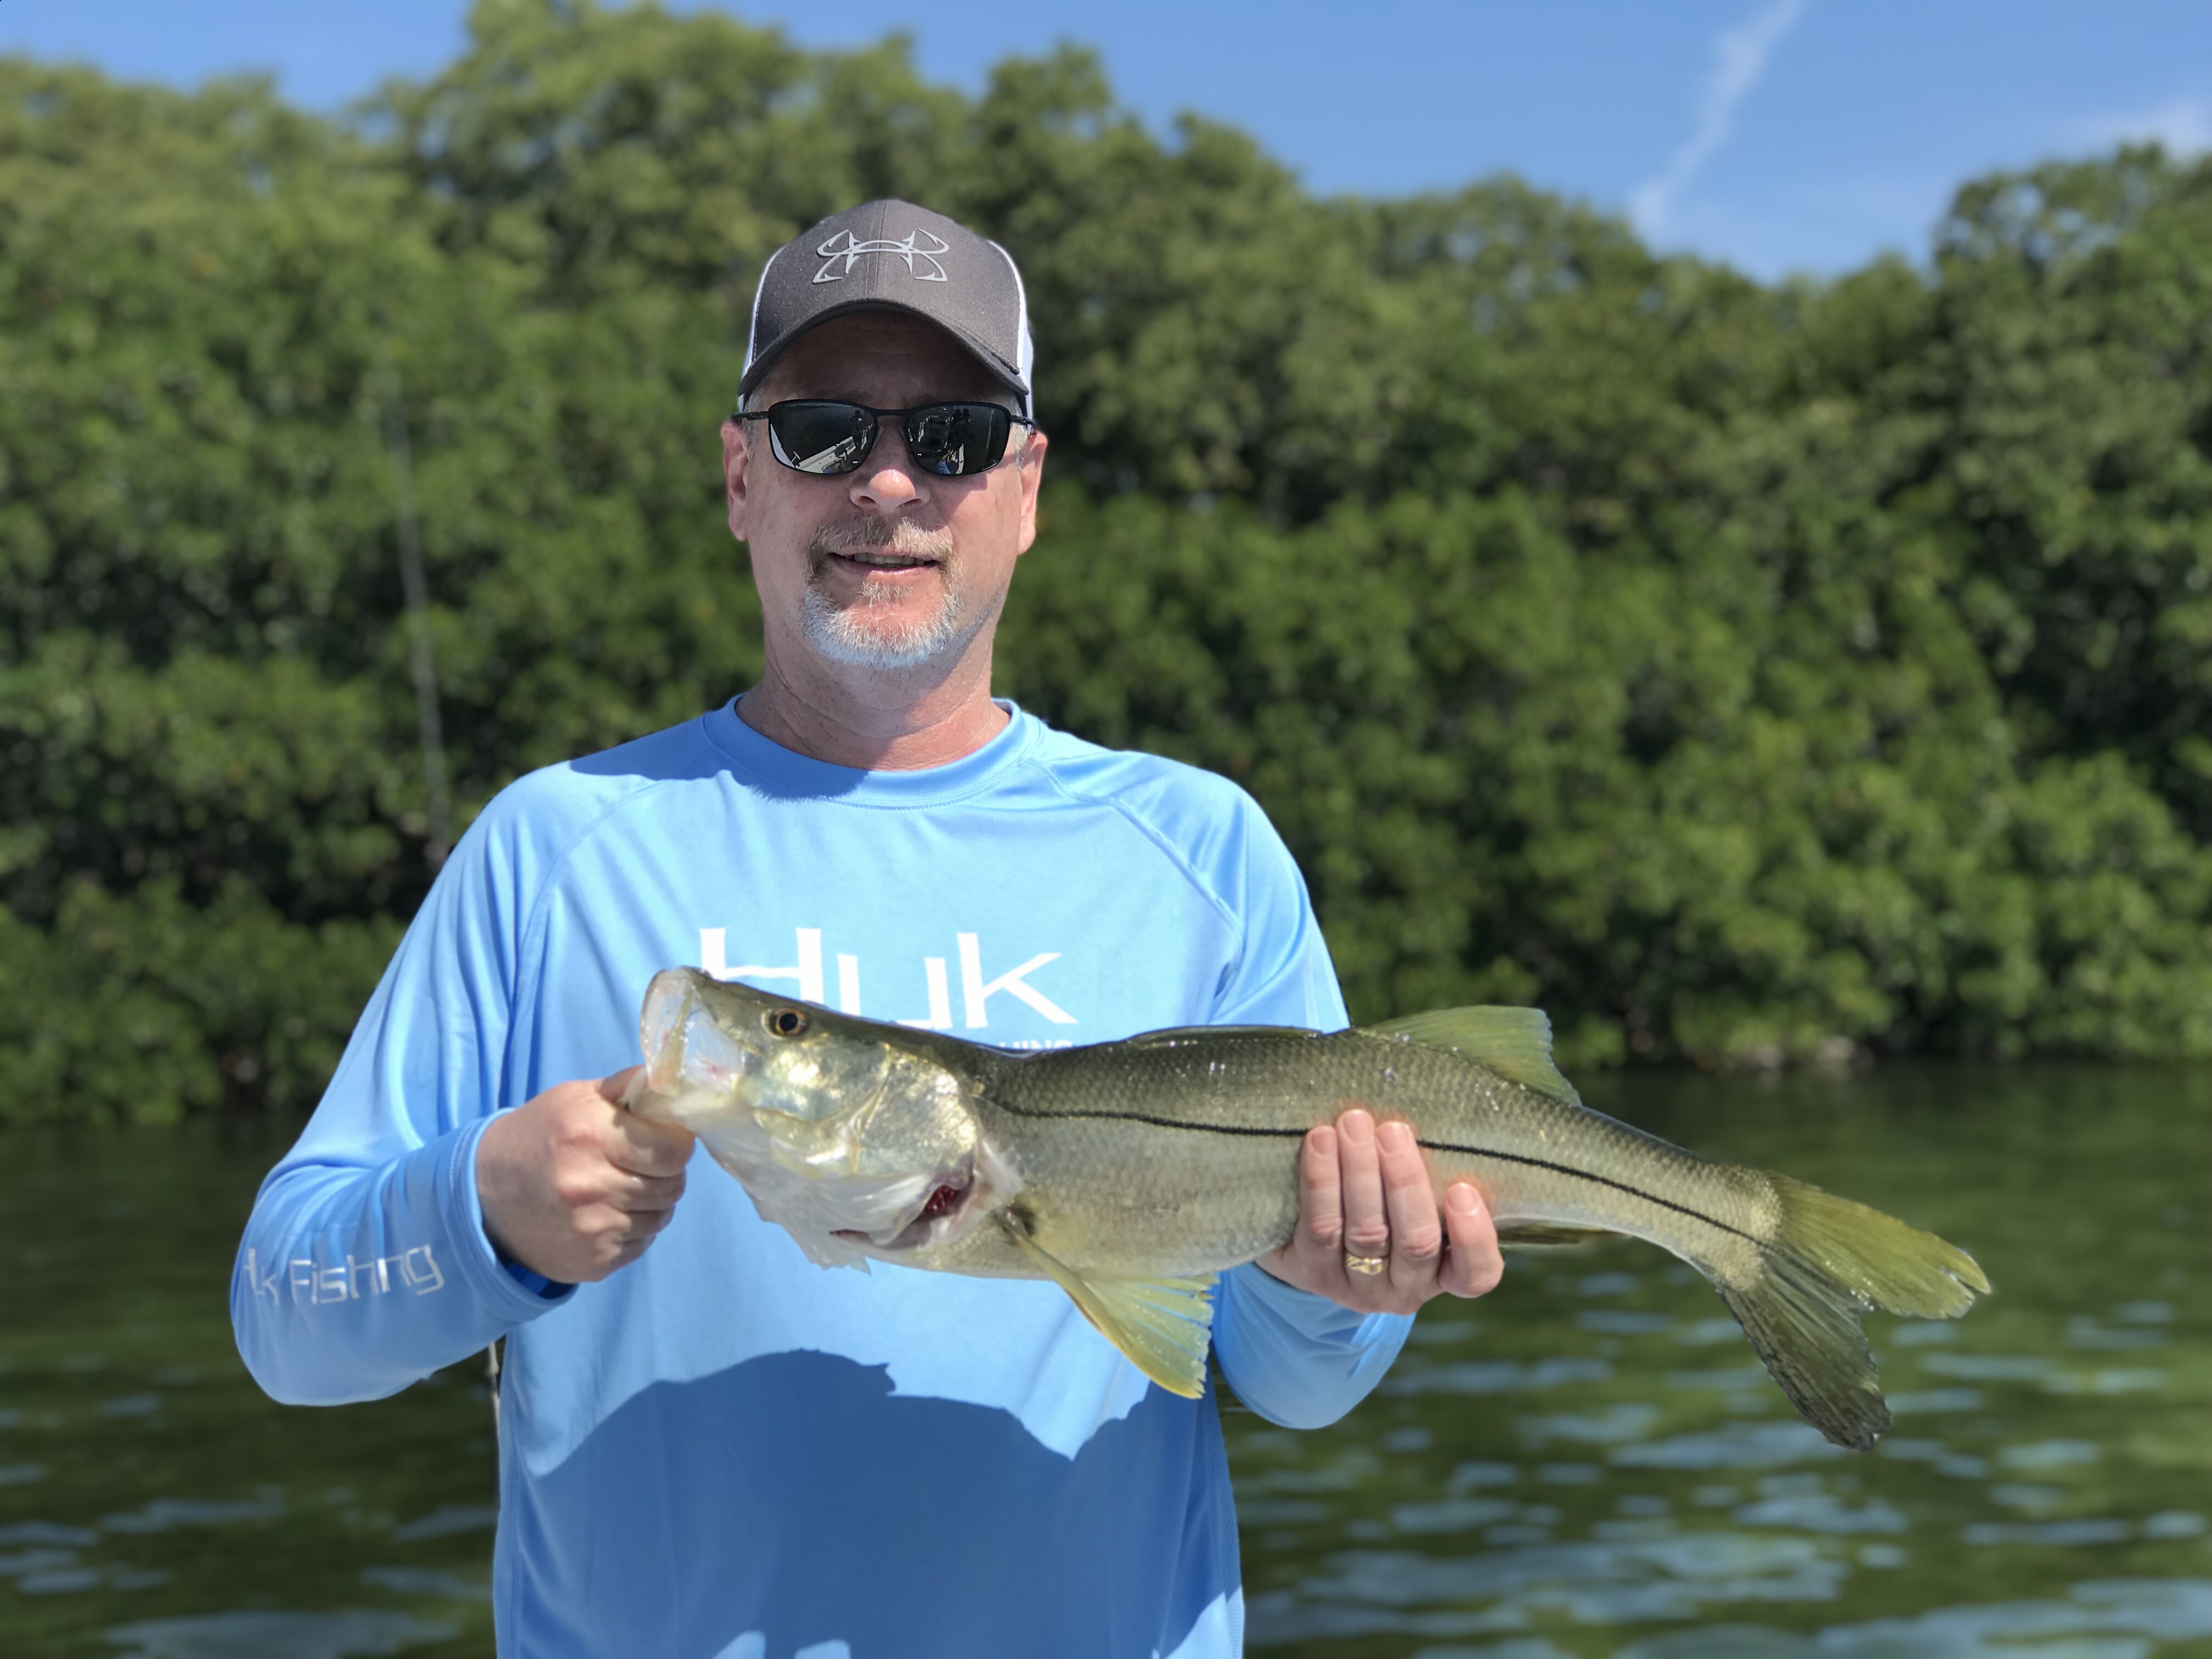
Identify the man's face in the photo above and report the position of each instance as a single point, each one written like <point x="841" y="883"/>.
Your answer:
<point x="889" y="567"/>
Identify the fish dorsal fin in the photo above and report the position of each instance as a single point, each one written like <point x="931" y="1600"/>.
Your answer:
<point x="1514" y="1043"/>
<point x="1162" y="1325"/>
<point x="1175" y="1035"/>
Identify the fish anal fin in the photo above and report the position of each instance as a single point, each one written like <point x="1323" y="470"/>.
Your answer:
<point x="1549" y="1235"/>
<point x="1514" y="1043"/>
<point x="1162" y="1326"/>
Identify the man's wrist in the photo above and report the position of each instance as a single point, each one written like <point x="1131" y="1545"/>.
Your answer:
<point x="529" y="1278"/>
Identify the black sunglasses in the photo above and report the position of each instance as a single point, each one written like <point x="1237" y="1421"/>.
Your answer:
<point x="829" y="439"/>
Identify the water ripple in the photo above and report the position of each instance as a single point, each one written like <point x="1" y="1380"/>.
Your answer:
<point x="342" y="1634"/>
<point x="2135" y="1612"/>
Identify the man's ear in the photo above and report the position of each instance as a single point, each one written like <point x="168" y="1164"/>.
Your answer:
<point x="1032" y="465"/>
<point x="736" y="465"/>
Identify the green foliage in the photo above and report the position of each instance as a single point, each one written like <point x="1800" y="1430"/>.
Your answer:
<point x="2073" y="364"/>
<point x="603" y="148"/>
<point x="1748" y="674"/>
<point x="1687" y="821"/>
<point x="138" y="1007"/>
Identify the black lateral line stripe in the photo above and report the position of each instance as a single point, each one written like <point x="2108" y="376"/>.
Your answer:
<point x="1602" y="1181"/>
<point x="1433" y="1146"/>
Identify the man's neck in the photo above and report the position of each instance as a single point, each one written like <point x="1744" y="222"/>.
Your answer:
<point x="875" y="721"/>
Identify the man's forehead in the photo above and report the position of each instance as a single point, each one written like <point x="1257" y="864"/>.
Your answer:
<point x="850" y="356"/>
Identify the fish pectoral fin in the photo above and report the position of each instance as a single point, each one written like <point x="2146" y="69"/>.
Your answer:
<point x="1162" y="1325"/>
<point x="1549" y="1235"/>
<point x="1514" y="1043"/>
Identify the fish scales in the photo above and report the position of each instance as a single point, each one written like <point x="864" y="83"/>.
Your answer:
<point x="1191" y="1147"/>
<point x="1128" y="1173"/>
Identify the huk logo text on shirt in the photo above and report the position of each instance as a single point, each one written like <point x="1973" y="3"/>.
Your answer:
<point x="806" y="978"/>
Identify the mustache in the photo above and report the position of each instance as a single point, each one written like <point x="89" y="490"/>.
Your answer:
<point x="871" y="530"/>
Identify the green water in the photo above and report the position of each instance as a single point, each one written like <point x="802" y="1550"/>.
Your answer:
<point x="1587" y="1463"/>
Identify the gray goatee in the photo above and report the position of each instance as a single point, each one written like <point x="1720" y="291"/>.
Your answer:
<point x="865" y="634"/>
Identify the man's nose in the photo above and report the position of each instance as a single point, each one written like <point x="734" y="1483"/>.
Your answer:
<point x="889" y="480"/>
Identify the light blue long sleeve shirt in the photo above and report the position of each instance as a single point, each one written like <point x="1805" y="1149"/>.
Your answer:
<point x="723" y="1449"/>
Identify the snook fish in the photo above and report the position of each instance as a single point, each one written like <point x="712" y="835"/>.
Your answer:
<point x="1130" y="1173"/>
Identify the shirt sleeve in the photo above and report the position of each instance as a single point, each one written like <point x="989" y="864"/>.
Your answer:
<point x="1297" y="1359"/>
<point x="365" y="1264"/>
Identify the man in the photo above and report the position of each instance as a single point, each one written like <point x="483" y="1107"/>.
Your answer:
<point x="710" y="1446"/>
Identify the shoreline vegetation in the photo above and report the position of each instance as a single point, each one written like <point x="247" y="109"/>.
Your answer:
<point x="1751" y="675"/>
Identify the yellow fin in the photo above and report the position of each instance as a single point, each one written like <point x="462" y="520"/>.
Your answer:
<point x="1830" y="1260"/>
<point x="1162" y="1325"/>
<point x="1514" y="1043"/>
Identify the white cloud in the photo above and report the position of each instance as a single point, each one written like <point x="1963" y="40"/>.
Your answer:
<point x="2183" y="127"/>
<point x="1740" y="59"/>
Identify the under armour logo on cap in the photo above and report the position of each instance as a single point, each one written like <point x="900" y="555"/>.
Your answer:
<point x="894" y="256"/>
<point x="916" y="249"/>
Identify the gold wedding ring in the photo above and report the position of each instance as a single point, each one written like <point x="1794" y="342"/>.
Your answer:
<point x="1368" y="1266"/>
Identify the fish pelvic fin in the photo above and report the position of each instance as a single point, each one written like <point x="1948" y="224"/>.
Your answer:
<point x="1162" y="1326"/>
<point x="1830" y="1261"/>
<point x="1549" y="1235"/>
<point x="1514" y="1043"/>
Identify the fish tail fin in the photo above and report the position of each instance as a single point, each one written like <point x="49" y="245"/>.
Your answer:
<point x="1829" y="1261"/>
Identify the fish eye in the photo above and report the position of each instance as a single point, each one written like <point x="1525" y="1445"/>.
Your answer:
<point x="785" y="1022"/>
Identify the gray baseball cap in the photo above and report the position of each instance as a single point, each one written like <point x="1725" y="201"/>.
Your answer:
<point x="894" y="256"/>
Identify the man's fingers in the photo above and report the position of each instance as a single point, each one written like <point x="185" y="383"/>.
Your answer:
<point x="644" y="1223"/>
<point x="1417" y="1236"/>
<point x="648" y="1194"/>
<point x="641" y="1146"/>
<point x="1320" y="1212"/>
<point x="574" y="1185"/>
<point x="646" y="1148"/>
<point x="1473" y="1264"/>
<point x="1366" y="1219"/>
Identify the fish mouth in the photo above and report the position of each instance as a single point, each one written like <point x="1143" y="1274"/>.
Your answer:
<point x="686" y="1050"/>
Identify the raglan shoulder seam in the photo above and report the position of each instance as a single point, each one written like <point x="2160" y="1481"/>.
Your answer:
<point x="534" y="917"/>
<point x="534" y="913"/>
<point x="1137" y="822"/>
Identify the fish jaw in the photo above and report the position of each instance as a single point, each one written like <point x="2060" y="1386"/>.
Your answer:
<point x="693" y="1062"/>
<point x="712" y="1048"/>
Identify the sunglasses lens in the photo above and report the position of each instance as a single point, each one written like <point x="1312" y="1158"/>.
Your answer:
<point x="954" y="440"/>
<point x="821" y="438"/>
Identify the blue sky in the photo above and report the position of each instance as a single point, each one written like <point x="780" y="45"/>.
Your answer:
<point x="1779" y="134"/>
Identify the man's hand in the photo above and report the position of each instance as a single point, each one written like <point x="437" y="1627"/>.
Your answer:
<point x="573" y="1186"/>
<point x="1364" y="1191"/>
